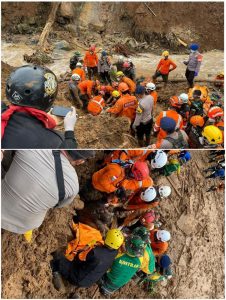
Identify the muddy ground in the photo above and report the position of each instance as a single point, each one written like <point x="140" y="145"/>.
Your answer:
<point x="194" y="218"/>
<point x="105" y="131"/>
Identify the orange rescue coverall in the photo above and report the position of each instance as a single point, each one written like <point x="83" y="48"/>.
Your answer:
<point x="80" y="72"/>
<point x="164" y="66"/>
<point x="86" y="87"/>
<point x="90" y="60"/>
<point x="125" y="106"/>
<point x="107" y="179"/>
<point x="158" y="247"/>
<point x="96" y="105"/>
<point x="131" y="84"/>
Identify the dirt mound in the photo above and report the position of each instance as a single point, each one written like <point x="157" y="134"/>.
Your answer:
<point x="5" y="72"/>
<point x="195" y="219"/>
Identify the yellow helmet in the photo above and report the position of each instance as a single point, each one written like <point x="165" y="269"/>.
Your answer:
<point x="116" y="94"/>
<point x="213" y="134"/>
<point x="221" y="74"/>
<point x="165" y="53"/>
<point x="119" y="74"/>
<point x="114" y="238"/>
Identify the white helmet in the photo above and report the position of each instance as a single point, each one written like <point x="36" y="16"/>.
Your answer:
<point x="184" y="97"/>
<point x="160" y="160"/>
<point x="129" y="60"/>
<point x="150" y="86"/>
<point x="164" y="191"/>
<point x="79" y="64"/>
<point x="149" y="194"/>
<point x="163" y="235"/>
<point x="75" y="77"/>
<point x="120" y="58"/>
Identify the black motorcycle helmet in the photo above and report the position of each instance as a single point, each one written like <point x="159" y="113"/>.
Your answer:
<point x="32" y="86"/>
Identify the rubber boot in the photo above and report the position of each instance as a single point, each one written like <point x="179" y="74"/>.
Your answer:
<point x="58" y="281"/>
<point x="28" y="236"/>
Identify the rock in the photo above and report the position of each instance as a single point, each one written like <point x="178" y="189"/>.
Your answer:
<point x="31" y="21"/>
<point x="72" y="29"/>
<point x="24" y="28"/>
<point x="67" y="10"/>
<point x="98" y="27"/>
<point x="63" y="45"/>
<point x="187" y="223"/>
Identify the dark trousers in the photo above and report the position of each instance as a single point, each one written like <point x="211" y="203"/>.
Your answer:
<point x="190" y="75"/>
<point x="144" y="131"/>
<point x="105" y="77"/>
<point x="92" y="73"/>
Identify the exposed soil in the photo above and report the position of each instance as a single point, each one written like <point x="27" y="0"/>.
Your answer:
<point x="194" y="218"/>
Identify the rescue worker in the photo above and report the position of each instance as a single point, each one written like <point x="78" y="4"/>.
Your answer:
<point x="175" y="139"/>
<point x="115" y="95"/>
<point x="87" y="90"/>
<point x="124" y="266"/>
<point x="104" y="66"/>
<point x="148" y="198"/>
<point x="79" y="70"/>
<point x="75" y="59"/>
<point x="159" y="239"/>
<point x="74" y="90"/>
<point x="143" y="121"/>
<point x="164" y="67"/>
<point x="126" y="104"/>
<point x="212" y="137"/>
<point x="180" y="104"/>
<point x="193" y="64"/>
<point x="151" y="90"/>
<point x="215" y="115"/>
<point x="172" y="166"/>
<point x="194" y="131"/>
<point x="119" y="63"/>
<point x="115" y="178"/>
<point x="218" y="172"/>
<point x="196" y="107"/>
<point x="36" y="181"/>
<point x="96" y="104"/>
<point x="220" y="76"/>
<point x="97" y="262"/>
<point x="123" y="79"/>
<point x="170" y="114"/>
<point x="129" y="69"/>
<point x="25" y="124"/>
<point x="91" y="62"/>
<point x="218" y="188"/>
<point x="162" y="269"/>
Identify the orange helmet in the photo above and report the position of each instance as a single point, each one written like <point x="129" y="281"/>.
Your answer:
<point x="215" y="112"/>
<point x="197" y="121"/>
<point x="175" y="102"/>
<point x="123" y="87"/>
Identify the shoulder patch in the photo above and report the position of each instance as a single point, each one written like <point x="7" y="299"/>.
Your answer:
<point x="139" y="110"/>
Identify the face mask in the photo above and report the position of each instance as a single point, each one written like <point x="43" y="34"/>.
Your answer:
<point x="192" y="51"/>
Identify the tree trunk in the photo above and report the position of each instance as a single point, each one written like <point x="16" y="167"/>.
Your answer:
<point x="45" y="33"/>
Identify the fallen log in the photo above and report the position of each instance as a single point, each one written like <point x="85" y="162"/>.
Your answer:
<point x="45" y="33"/>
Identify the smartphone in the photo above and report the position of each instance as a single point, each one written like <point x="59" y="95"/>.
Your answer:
<point x="60" y="111"/>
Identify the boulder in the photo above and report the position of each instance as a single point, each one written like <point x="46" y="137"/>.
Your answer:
<point x="66" y="10"/>
<point x="187" y="223"/>
<point x="62" y="45"/>
<point x="32" y="21"/>
<point x="24" y="28"/>
<point x="97" y="27"/>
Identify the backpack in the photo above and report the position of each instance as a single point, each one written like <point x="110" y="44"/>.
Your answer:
<point x="179" y="143"/>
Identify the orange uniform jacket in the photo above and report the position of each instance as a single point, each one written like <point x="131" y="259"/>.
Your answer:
<point x="135" y="202"/>
<point x="164" y="66"/>
<point x="171" y="114"/>
<point x="90" y="60"/>
<point x="86" y="87"/>
<point x="131" y="84"/>
<point x="107" y="179"/>
<point x="80" y="72"/>
<point x="125" y="106"/>
<point x="96" y="105"/>
<point x="133" y="185"/>
<point x="134" y="155"/>
<point x="158" y="247"/>
<point x="154" y="94"/>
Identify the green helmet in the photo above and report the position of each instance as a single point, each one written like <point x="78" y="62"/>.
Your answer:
<point x="77" y="53"/>
<point x="143" y="233"/>
<point x="135" y="246"/>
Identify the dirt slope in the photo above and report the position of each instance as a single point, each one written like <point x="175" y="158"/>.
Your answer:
<point x="194" y="218"/>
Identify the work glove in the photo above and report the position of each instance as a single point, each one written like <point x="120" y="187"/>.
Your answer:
<point x="70" y="120"/>
<point x="196" y="73"/>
